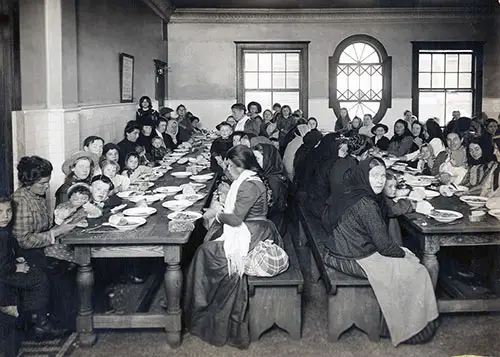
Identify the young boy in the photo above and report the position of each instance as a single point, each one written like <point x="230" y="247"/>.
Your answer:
<point x="220" y="147"/>
<point x="72" y="211"/>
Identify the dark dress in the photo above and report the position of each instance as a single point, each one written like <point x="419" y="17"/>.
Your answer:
<point x="216" y="303"/>
<point x="146" y="142"/>
<point x="382" y="143"/>
<point x="62" y="191"/>
<point x="219" y="147"/>
<point x="169" y="143"/>
<point x="141" y="114"/>
<point x="126" y="147"/>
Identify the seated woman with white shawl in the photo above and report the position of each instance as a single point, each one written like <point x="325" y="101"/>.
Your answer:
<point x="360" y="245"/>
<point x="216" y="297"/>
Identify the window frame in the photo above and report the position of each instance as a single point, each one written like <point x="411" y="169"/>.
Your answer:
<point x="477" y="48"/>
<point x="274" y="46"/>
<point x="386" y="63"/>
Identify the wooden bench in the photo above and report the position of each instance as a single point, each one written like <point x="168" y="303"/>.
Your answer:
<point x="351" y="300"/>
<point x="277" y="300"/>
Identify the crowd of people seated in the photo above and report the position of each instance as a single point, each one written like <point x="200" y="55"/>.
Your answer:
<point x="265" y="161"/>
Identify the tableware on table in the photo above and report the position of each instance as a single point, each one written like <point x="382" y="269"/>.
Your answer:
<point x="190" y="216"/>
<point x="445" y="216"/>
<point x="202" y="178"/>
<point x="192" y="159"/>
<point x="197" y="186"/>
<point x="398" y="167"/>
<point x="169" y="190"/>
<point x="140" y="211"/>
<point x="495" y="213"/>
<point x="148" y="198"/>
<point x="431" y="194"/>
<point x="129" y="193"/>
<point x="474" y="201"/>
<point x="141" y="186"/>
<point x="125" y="223"/>
<point x="419" y="183"/>
<point x="118" y="208"/>
<point x="183" y="150"/>
<point x="193" y="198"/>
<point x="417" y="194"/>
<point x="177" y="205"/>
<point x="181" y="174"/>
<point x="182" y="161"/>
<point x="177" y="155"/>
<point x="477" y="216"/>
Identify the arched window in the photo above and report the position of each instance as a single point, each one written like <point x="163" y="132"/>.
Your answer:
<point x="360" y="78"/>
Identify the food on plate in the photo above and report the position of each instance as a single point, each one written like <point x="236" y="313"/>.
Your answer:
<point x="442" y="214"/>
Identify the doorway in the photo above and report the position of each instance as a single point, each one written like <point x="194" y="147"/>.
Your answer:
<point x="161" y="68"/>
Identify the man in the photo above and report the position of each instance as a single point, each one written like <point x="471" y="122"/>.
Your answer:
<point x="366" y="129"/>
<point x="245" y="123"/>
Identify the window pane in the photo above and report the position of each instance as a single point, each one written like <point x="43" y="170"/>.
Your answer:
<point x="279" y="61"/>
<point x="424" y="80"/>
<point x="279" y="80"/>
<point x="359" y="109"/>
<point x="290" y="98"/>
<point x="348" y="55"/>
<point x="465" y="80"/>
<point x="263" y="98"/>
<point x="251" y="61"/>
<point x="251" y="80"/>
<point x="292" y="80"/>
<point x="459" y="101"/>
<point x="353" y="82"/>
<point x="431" y="104"/>
<point x="342" y="82"/>
<point x="292" y="62"/>
<point x="437" y="80"/>
<point x="425" y="63"/>
<point x="451" y="80"/>
<point x="438" y="63"/>
<point x="364" y="82"/>
<point x="466" y="63"/>
<point x="265" y="62"/>
<point x="377" y="82"/>
<point x="265" y="80"/>
<point x="452" y="63"/>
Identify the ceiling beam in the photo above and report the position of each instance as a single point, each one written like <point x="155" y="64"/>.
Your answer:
<point x="163" y="8"/>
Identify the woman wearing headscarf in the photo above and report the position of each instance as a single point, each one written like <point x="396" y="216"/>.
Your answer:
<point x="343" y="123"/>
<point x="216" y="297"/>
<point x="402" y="140"/>
<point x="272" y="165"/>
<point x="482" y="164"/>
<point x="172" y="137"/>
<point x="292" y="147"/>
<point x="360" y="245"/>
<point x="311" y="139"/>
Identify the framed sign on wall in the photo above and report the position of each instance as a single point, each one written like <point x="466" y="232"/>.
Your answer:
<point x="126" y="78"/>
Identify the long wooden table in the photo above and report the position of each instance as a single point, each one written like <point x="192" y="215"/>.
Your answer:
<point x="150" y="240"/>
<point x="433" y="235"/>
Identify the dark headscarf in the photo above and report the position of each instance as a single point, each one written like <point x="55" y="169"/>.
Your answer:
<point x="406" y="133"/>
<point x="488" y="154"/>
<point x="301" y="156"/>
<point x="357" y="182"/>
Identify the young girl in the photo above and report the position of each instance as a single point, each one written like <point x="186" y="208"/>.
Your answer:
<point x="395" y="209"/>
<point x="132" y="168"/>
<point x="158" y="150"/>
<point x="426" y="160"/>
<point x="72" y="212"/>
<point x="110" y="169"/>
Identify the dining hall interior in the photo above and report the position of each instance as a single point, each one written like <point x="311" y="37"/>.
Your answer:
<point x="249" y="178"/>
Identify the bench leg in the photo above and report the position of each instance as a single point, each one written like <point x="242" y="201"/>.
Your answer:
<point x="315" y="275"/>
<point x="275" y="305"/>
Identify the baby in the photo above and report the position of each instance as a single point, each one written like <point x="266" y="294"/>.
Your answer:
<point x="110" y="169"/>
<point x="158" y="151"/>
<point x="72" y="211"/>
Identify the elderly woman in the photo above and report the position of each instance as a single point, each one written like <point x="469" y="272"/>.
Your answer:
<point x="360" y="245"/>
<point x="34" y="231"/>
<point x="78" y="168"/>
<point x="216" y="299"/>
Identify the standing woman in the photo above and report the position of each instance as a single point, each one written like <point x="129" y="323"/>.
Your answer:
<point x="361" y="246"/>
<point x="146" y="109"/>
<point x="129" y="143"/>
<point x="311" y="140"/>
<point x="34" y="230"/>
<point x="172" y="136"/>
<point x="216" y="298"/>
<point x="185" y="125"/>
<point x="402" y="140"/>
<point x="343" y="123"/>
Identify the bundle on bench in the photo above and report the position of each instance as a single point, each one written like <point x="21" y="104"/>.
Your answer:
<point x="277" y="300"/>
<point x="351" y="300"/>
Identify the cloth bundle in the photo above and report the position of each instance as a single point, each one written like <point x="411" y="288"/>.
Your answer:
<point x="266" y="260"/>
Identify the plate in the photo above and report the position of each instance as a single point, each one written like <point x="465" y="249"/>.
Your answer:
<point x="431" y="194"/>
<point x="184" y="216"/>
<point x="140" y="211"/>
<point x="181" y="174"/>
<point x="445" y="216"/>
<point x="201" y="178"/>
<point x="142" y="186"/>
<point x="149" y="198"/>
<point x="197" y="186"/>
<point x="177" y="205"/>
<point x="192" y="198"/>
<point x="177" y="154"/>
<point x="169" y="190"/>
<point x="474" y="201"/>
<point x="132" y="223"/>
<point x="495" y="213"/>
<point x="128" y="194"/>
<point x="419" y="183"/>
<point x="182" y="161"/>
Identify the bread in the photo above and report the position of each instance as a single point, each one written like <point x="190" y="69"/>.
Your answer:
<point x="180" y="226"/>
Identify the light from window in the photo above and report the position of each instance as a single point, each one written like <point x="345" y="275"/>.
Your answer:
<point x="272" y="77"/>
<point x="445" y="83"/>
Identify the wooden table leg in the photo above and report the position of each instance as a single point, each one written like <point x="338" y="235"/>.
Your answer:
<point x="173" y="289"/>
<point x="430" y="261"/>
<point x="85" y="281"/>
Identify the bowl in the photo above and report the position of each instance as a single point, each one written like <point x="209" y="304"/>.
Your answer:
<point x="132" y="223"/>
<point x="445" y="216"/>
<point x="495" y="213"/>
<point x="177" y="205"/>
<point x="201" y="178"/>
<point x="140" y="211"/>
<point x="168" y="190"/>
<point x="182" y="161"/>
<point x="474" y="201"/>
<point x="181" y="174"/>
<point x="193" y="198"/>
<point x="431" y="194"/>
<point x="188" y="216"/>
<point x="148" y="198"/>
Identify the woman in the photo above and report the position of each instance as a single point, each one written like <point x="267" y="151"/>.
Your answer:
<point x="78" y="169"/>
<point x="172" y="138"/>
<point x="254" y="110"/>
<point x="482" y="164"/>
<point x="129" y="143"/>
<point x="34" y="230"/>
<point x="161" y="127"/>
<point x="146" y="134"/>
<point x="379" y="139"/>
<point x="270" y="125"/>
<point x="311" y="140"/>
<point x="273" y="168"/>
<point x="313" y="123"/>
<point x="418" y="134"/>
<point x="355" y="126"/>
<point x="285" y="122"/>
<point x="361" y="246"/>
<point x="451" y="164"/>
<point x="146" y="110"/>
<point x="111" y="152"/>
<point x="402" y="140"/>
<point x="343" y="122"/>
<point x="184" y="123"/>
<point x="216" y="299"/>
<point x="292" y="147"/>
<point x="434" y="136"/>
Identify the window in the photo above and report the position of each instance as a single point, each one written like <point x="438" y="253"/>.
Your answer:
<point x="446" y="77"/>
<point x="360" y="78"/>
<point x="271" y="73"/>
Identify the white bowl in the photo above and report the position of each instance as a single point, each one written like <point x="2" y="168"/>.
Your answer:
<point x="431" y="194"/>
<point x="438" y="215"/>
<point x="177" y="205"/>
<point x="193" y="198"/>
<point x="189" y="216"/>
<point x="148" y="198"/>
<point x="474" y="201"/>
<point x="181" y="174"/>
<point x="169" y="190"/>
<point x="132" y="223"/>
<point x="140" y="211"/>
<point x="182" y="161"/>
<point x="495" y="213"/>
